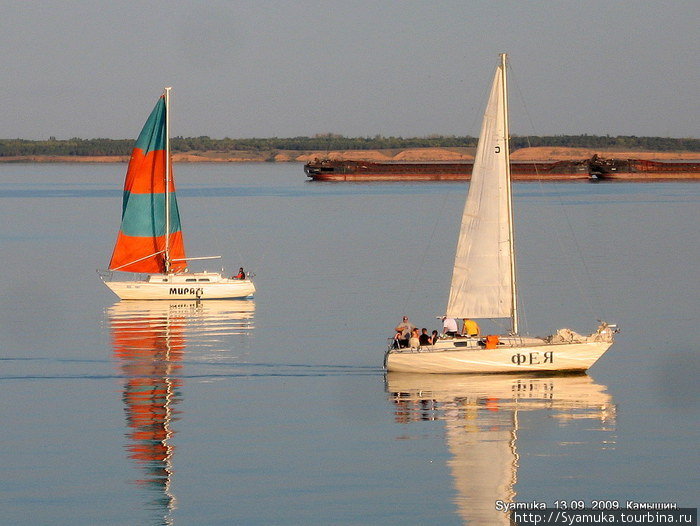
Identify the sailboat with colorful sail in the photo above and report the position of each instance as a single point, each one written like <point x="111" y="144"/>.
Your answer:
<point x="150" y="239"/>
<point x="483" y="278"/>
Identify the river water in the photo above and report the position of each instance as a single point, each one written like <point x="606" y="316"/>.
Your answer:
<point x="277" y="410"/>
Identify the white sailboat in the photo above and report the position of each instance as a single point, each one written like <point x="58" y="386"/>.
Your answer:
<point x="150" y="238"/>
<point x="483" y="279"/>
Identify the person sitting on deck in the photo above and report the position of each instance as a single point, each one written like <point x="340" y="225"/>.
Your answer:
<point x="424" y="338"/>
<point x="449" y="326"/>
<point x="398" y="340"/>
<point x="240" y="275"/>
<point x="414" y="342"/>
<point x="435" y="337"/>
<point x="471" y="328"/>
<point x="405" y="328"/>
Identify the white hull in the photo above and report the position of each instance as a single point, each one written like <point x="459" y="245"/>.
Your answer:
<point x="187" y="286"/>
<point x="543" y="357"/>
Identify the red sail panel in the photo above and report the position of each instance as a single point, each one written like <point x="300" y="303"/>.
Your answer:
<point x="145" y="174"/>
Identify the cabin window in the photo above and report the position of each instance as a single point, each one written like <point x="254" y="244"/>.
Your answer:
<point x="204" y="279"/>
<point x="190" y="279"/>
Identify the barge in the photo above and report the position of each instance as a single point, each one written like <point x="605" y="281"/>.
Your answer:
<point x="338" y="170"/>
<point x="595" y="167"/>
<point x="642" y="169"/>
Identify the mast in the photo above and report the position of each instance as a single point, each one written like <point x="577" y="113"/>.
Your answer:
<point x="509" y="192"/>
<point x="167" y="180"/>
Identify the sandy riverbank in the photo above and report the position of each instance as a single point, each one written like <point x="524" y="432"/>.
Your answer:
<point x="542" y="154"/>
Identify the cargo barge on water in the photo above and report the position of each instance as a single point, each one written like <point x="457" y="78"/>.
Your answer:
<point x="642" y="169"/>
<point x="336" y="170"/>
<point x="593" y="168"/>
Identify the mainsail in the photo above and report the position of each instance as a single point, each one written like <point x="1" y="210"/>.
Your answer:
<point x="141" y="242"/>
<point x="483" y="276"/>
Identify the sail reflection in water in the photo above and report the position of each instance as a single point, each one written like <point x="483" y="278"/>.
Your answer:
<point x="149" y="340"/>
<point x="481" y="415"/>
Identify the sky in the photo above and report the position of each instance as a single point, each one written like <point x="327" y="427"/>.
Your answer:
<point x="94" y="68"/>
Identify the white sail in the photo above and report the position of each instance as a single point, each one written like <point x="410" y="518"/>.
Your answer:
<point x="482" y="280"/>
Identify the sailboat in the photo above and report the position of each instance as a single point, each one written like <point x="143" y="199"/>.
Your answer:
<point x="150" y="238"/>
<point x="483" y="279"/>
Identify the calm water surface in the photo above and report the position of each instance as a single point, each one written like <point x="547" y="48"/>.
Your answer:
<point x="277" y="410"/>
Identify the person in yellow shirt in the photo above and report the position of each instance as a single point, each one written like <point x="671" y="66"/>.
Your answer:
<point x="471" y="328"/>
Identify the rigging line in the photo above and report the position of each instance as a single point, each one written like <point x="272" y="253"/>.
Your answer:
<point x="591" y="291"/>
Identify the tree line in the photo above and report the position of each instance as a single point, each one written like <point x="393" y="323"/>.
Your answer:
<point x="327" y="142"/>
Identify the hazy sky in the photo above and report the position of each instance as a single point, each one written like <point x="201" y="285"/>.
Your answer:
<point x="92" y="68"/>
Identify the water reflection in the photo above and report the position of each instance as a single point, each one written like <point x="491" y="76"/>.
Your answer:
<point x="149" y="340"/>
<point x="481" y="415"/>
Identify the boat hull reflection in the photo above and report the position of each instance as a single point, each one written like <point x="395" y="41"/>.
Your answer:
<point x="149" y="340"/>
<point x="482" y="415"/>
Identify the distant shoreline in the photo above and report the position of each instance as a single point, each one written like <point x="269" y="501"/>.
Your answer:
<point x="541" y="154"/>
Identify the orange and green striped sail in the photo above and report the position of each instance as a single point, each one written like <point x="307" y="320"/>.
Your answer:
<point x="140" y="243"/>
